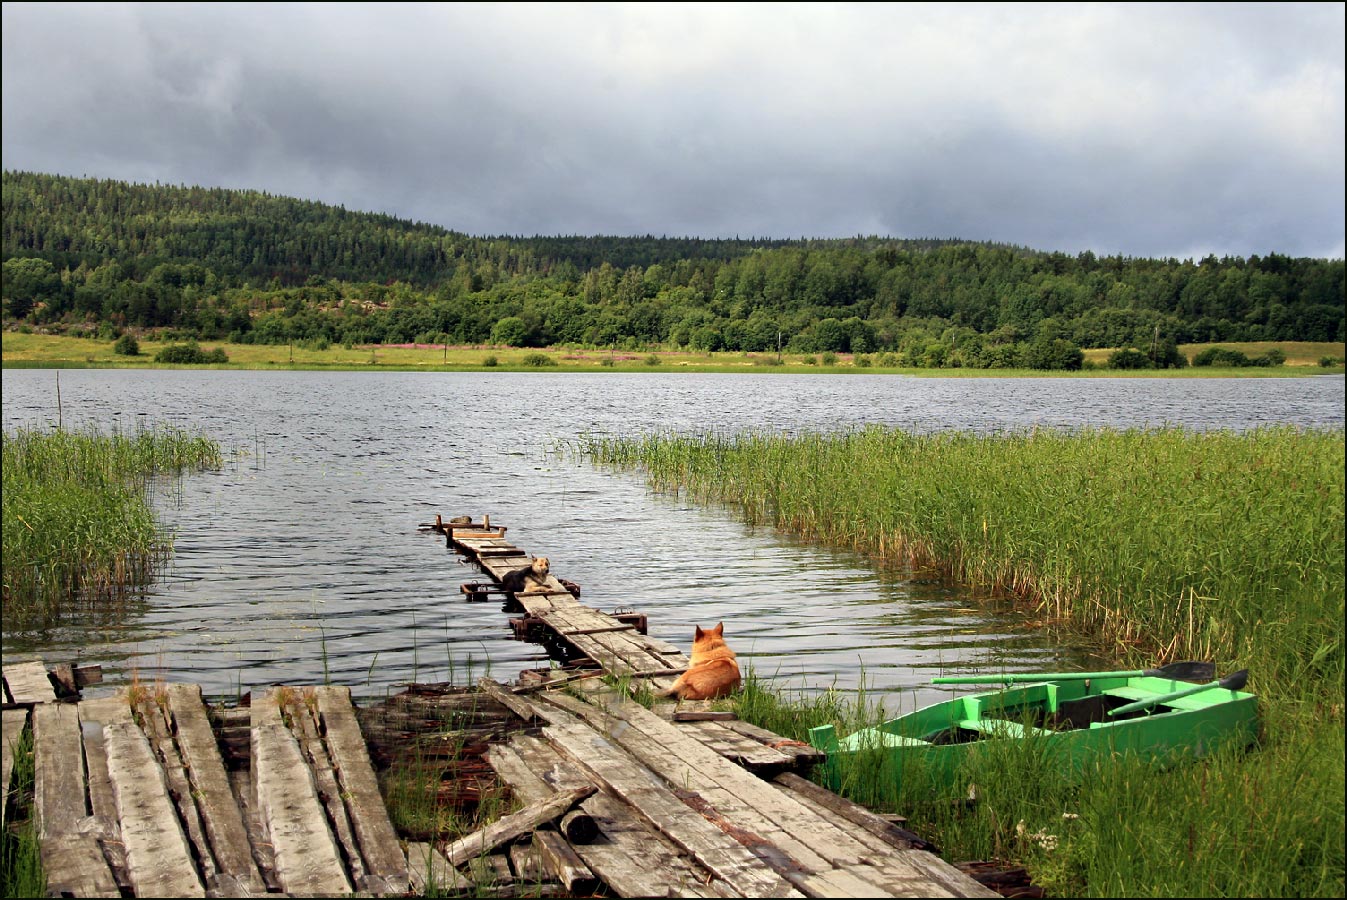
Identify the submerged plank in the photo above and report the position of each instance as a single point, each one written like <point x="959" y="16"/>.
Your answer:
<point x="306" y="854"/>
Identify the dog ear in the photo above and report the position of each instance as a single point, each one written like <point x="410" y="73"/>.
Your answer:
<point x="698" y="635"/>
<point x="720" y="629"/>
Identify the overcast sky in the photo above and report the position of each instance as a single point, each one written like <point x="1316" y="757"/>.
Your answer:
<point x="1148" y="130"/>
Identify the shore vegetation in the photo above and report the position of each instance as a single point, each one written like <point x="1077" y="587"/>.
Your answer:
<point x="1160" y="544"/>
<point x="78" y="525"/>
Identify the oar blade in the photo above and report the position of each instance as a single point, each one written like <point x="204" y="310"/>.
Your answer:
<point x="1235" y="681"/>
<point x="1196" y="672"/>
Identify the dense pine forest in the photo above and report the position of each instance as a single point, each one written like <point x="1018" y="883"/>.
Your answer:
<point x="107" y="256"/>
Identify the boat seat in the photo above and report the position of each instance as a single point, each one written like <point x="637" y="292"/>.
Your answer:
<point x="1130" y="694"/>
<point x="1002" y="728"/>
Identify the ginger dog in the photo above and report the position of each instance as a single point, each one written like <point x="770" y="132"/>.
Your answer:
<point x="713" y="672"/>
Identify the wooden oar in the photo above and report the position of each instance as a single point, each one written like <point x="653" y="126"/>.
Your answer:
<point x="1179" y="671"/>
<point x="1232" y="682"/>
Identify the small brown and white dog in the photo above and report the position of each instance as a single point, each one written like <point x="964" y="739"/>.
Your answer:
<point x="517" y="581"/>
<point x="712" y="673"/>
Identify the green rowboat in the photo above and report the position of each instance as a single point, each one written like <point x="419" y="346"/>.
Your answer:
<point x="1077" y="721"/>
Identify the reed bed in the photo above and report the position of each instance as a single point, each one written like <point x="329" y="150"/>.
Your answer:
<point x="1166" y="542"/>
<point x="78" y="526"/>
<point x="1162" y="544"/>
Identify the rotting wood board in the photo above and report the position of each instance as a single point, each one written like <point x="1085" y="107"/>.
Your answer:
<point x="306" y="855"/>
<point x="27" y="682"/>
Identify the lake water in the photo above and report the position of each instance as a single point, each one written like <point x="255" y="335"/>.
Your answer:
<point x="302" y="559"/>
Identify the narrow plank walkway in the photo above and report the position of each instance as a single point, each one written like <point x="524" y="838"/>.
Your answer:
<point x="681" y="809"/>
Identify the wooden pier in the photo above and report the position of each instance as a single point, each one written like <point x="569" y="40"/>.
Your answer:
<point x="151" y="793"/>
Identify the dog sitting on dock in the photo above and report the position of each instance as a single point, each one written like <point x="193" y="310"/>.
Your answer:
<point x="517" y="581"/>
<point x="713" y="671"/>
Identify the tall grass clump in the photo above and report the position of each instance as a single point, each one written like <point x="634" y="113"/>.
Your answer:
<point x="78" y="525"/>
<point x="1159" y="543"/>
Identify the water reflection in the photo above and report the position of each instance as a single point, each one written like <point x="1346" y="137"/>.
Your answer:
<point x="302" y="559"/>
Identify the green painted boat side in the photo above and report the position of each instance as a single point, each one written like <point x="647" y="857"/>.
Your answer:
<point x="1067" y="721"/>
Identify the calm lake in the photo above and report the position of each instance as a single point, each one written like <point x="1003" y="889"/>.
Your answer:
<point x="302" y="560"/>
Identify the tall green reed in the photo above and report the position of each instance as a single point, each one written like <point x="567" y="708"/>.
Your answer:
<point x="78" y="525"/>
<point x="1162" y="542"/>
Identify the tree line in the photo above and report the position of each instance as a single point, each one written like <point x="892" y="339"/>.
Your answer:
<point x="247" y="266"/>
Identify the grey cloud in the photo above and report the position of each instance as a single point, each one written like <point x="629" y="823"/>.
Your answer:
<point x="1138" y="129"/>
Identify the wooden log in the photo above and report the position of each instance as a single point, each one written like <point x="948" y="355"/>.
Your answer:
<point x="430" y="873"/>
<point x="507" y="828"/>
<point x="223" y="821"/>
<point x="562" y="863"/>
<point x="14" y="722"/>
<point x="27" y="682"/>
<point x="384" y="860"/>
<point x="306" y="855"/>
<point x="578" y="827"/>
<point x="158" y="856"/>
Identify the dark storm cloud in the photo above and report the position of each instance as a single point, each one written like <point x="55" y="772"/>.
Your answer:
<point x="1147" y="130"/>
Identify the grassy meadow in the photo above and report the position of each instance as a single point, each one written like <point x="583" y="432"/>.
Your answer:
<point x="52" y="351"/>
<point x="1160" y="544"/>
<point x="78" y="526"/>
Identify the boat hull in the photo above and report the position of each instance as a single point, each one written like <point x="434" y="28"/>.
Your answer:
<point x="1067" y="723"/>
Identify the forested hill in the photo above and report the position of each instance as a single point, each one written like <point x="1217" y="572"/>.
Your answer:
<point x="212" y="262"/>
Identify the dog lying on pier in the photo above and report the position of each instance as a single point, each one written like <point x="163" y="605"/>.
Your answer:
<point x="517" y="581"/>
<point x="713" y="671"/>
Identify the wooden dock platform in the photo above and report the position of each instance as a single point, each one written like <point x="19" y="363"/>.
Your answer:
<point x="699" y="807"/>
<point x="152" y="793"/>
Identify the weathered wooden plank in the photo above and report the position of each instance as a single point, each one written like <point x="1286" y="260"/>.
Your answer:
<point x="105" y="824"/>
<point x="210" y="784"/>
<point x="821" y="797"/>
<point x="748" y="802"/>
<point x="156" y="727"/>
<point x="734" y="746"/>
<point x="27" y="682"/>
<point x="245" y="794"/>
<point x="507" y="828"/>
<point x="635" y="860"/>
<point x="527" y="863"/>
<point x="296" y="704"/>
<point x="848" y="882"/>
<point x="712" y="848"/>
<point x="513" y="771"/>
<point x="384" y="860"/>
<point x="58" y="766"/>
<point x="306" y="855"/>
<point x="158" y="857"/>
<point x="15" y="720"/>
<point x="74" y="867"/>
<point x="562" y="863"/>
<point x="431" y="873"/>
<point x="803" y="754"/>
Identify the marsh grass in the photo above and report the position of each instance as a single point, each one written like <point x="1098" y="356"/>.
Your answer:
<point x="20" y="860"/>
<point x="78" y="526"/>
<point x="1163" y="544"/>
